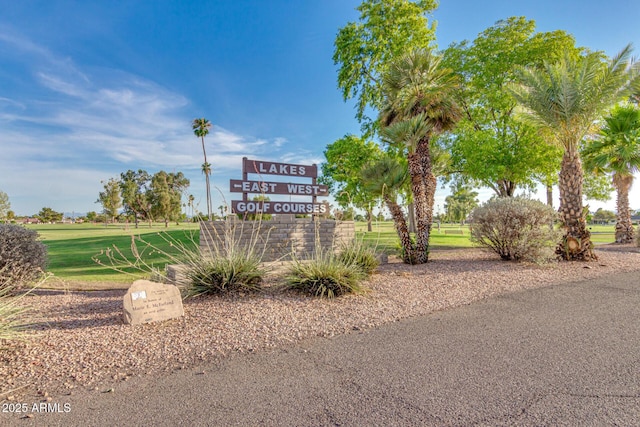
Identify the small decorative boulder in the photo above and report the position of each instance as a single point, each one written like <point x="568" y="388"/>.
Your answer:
<point x="147" y="301"/>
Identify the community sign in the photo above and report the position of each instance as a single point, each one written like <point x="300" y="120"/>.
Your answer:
<point x="260" y="168"/>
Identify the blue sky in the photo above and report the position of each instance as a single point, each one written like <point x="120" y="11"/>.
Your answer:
<point x="89" y="89"/>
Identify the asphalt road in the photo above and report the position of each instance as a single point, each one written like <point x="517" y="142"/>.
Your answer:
<point x="561" y="355"/>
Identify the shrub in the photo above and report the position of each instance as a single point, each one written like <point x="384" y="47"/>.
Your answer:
<point x="22" y="257"/>
<point x="325" y="275"/>
<point x="359" y="254"/>
<point x="214" y="275"/>
<point x="515" y="228"/>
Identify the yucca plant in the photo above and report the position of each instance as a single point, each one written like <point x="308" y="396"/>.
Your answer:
<point x="325" y="275"/>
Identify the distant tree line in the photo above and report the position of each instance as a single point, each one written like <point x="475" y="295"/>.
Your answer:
<point x="140" y="196"/>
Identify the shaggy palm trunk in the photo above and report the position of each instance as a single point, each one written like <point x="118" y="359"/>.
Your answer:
<point x="408" y="252"/>
<point x="420" y="199"/>
<point x="624" y="226"/>
<point x="429" y="183"/>
<point x="576" y="243"/>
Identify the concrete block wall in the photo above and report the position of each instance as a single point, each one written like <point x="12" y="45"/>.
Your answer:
<point x="278" y="239"/>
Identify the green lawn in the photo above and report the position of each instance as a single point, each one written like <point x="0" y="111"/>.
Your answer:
<point x="72" y="247"/>
<point x="383" y="235"/>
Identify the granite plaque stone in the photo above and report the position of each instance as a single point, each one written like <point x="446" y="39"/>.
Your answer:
<point x="147" y="301"/>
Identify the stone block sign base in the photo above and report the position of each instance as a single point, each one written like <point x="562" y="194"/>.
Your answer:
<point x="147" y="301"/>
<point x="278" y="239"/>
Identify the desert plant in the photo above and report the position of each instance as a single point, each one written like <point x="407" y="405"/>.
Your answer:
<point x="215" y="275"/>
<point x="325" y="275"/>
<point x="360" y="255"/>
<point x="23" y="258"/>
<point x="515" y="228"/>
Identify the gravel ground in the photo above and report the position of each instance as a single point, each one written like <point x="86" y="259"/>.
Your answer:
<point x="80" y="340"/>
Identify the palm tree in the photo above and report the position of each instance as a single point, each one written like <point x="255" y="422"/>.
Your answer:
<point x="564" y="99"/>
<point x="386" y="176"/>
<point x="418" y="105"/>
<point x="617" y="150"/>
<point x="201" y="129"/>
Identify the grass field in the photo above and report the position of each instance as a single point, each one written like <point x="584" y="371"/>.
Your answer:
<point x="72" y="247"/>
<point x="383" y="235"/>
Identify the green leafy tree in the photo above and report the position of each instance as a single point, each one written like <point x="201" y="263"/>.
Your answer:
<point x="47" y="215"/>
<point x="110" y="198"/>
<point x="387" y="175"/>
<point x="165" y="195"/>
<point x="201" y="129"/>
<point x="419" y="105"/>
<point x="5" y="206"/>
<point x="603" y="216"/>
<point x="597" y="186"/>
<point x="364" y="49"/>
<point x="92" y="216"/>
<point x="345" y="159"/>
<point x="460" y="203"/>
<point x="133" y="189"/>
<point x="564" y="99"/>
<point x="617" y="151"/>
<point x="489" y="145"/>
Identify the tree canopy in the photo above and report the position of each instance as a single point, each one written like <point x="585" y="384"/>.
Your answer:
<point x="345" y="159"/>
<point x="490" y="145"/>
<point x="364" y="49"/>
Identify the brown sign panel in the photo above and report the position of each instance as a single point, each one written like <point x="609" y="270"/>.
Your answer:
<point x="272" y="168"/>
<point x="268" y="207"/>
<point x="263" y="187"/>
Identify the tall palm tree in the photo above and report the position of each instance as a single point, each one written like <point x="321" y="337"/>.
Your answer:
<point x="201" y="129"/>
<point x="564" y="99"/>
<point x="386" y="176"/>
<point x="418" y="105"/>
<point x="617" y="150"/>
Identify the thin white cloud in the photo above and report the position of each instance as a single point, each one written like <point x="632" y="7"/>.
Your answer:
<point x="88" y="125"/>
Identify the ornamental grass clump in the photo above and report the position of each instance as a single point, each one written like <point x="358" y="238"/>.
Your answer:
<point x="515" y="228"/>
<point x="326" y="275"/>
<point x="217" y="275"/>
<point x="358" y="254"/>
<point x="23" y="258"/>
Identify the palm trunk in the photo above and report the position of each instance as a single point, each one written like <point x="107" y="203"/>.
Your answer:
<point x="420" y="200"/>
<point x="408" y="252"/>
<point x="624" y="226"/>
<point x="424" y="213"/>
<point x="208" y="187"/>
<point x="576" y="243"/>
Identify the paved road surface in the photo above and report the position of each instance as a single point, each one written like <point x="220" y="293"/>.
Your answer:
<point x="562" y="355"/>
